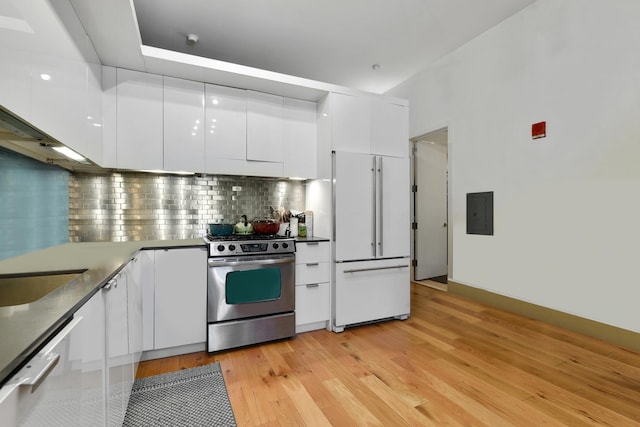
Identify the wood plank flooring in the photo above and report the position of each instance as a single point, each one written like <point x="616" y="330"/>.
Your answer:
<point x="453" y="362"/>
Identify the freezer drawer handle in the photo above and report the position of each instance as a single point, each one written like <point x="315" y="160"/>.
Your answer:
<point x="313" y="264"/>
<point x="359" y="270"/>
<point x="313" y="285"/>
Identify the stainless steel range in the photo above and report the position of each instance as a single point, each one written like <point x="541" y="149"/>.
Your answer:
<point x="250" y="290"/>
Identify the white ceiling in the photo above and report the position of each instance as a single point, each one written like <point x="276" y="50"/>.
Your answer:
<point x="332" y="41"/>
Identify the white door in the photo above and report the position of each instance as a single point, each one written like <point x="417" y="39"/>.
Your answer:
<point x="431" y="206"/>
<point x="394" y="213"/>
<point x="354" y="206"/>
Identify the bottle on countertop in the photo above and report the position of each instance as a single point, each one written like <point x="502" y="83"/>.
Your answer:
<point x="308" y="219"/>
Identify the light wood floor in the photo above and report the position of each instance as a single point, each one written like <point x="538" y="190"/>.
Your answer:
<point x="453" y="362"/>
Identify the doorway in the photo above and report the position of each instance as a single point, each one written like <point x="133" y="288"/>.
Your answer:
<point x="431" y="214"/>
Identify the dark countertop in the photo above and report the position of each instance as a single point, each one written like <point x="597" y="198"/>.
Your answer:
<point x="311" y="239"/>
<point x="25" y="328"/>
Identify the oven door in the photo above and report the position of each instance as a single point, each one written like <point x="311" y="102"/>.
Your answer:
<point x="250" y="286"/>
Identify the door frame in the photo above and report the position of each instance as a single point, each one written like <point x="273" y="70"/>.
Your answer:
<point x="414" y="219"/>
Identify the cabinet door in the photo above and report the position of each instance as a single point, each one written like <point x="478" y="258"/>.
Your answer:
<point x="109" y="117"/>
<point x="394" y="218"/>
<point x="94" y="125"/>
<point x="147" y="279"/>
<point x="311" y="252"/>
<point x="264" y="127"/>
<point x="89" y="356"/>
<point x="299" y="138"/>
<point x="180" y="297"/>
<point x="139" y="120"/>
<point x="183" y="125"/>
<point x="15" y="80"/>
<point x="354" y="202"/>
<point x="389" y="129"/>
<point x="226" y="124"/>
<point x="117" y="348"/>
<point x="58" y="104"/>
<point x="351" y="122"/>
<point x="55" y="398"/>
<point x="133" y="271"/>
<point x="312" y="303"/>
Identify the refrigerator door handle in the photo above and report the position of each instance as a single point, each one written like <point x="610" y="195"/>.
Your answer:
<point x="379" y="210"/>
<point x="374" y="212"/>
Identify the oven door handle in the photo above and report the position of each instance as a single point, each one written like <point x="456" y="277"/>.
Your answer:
<point x="267" y="261"/>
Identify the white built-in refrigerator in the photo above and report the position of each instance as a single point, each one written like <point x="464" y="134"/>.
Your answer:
<point x="371" y="227"/>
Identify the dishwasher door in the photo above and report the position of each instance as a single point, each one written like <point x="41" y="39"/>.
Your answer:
<point x="46" y="390"/>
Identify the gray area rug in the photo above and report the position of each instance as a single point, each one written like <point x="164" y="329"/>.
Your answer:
<point x="190" y="397"/>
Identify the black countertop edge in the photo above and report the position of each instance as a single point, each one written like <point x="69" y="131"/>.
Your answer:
<point x="151" y="248"/>
<point x="311" y="239"/>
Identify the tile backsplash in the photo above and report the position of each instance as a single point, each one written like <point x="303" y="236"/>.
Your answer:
<point x="127" y="206"/>
<point x="33" y="204"/>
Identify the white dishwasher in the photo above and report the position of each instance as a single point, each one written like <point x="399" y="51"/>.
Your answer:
<point x="45" y="390"/>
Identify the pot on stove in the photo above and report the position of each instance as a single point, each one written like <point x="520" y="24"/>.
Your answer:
<point x="266" y="226"/>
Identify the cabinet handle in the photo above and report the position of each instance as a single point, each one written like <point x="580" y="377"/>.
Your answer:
<point x="313" y="264"/>
<point x="313" y="285"/>
<point x="359" y="270"/>
<point x="313" y="243"/>
<point x="46" y="363"/>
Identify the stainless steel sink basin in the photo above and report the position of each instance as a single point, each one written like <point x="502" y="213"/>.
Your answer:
<point x="26" y="288"/>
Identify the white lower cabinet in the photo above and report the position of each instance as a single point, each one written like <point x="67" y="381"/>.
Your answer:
<point x="180" y="309"/>
<point x="119" y="373"/>
<point x="89" y="360"/>
<point x="47" y="391"/>
<point x="147" y="280"/>
<point x="123" y="318"/>
<point x="312" y="286"/>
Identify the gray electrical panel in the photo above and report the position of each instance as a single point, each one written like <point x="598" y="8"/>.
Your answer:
<point x="480" y="213"/>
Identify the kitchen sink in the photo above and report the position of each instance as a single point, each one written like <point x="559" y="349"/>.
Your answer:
<point x="19" y="289"/>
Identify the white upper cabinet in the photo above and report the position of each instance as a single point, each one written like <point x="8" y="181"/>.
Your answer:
<point x="299" y="138"/>
<point x="93" y="148"/>
<point x="139" y="120"/>
<point x="58" y="99"/>
<point x="109" y="117"/>
<point x="389" y="129"/>
<point x="15" y="81"/>
<point x="350" y="123"/>
<point x="183" y="125"/>
<point x="264" y="127"/>
<point x="226" y="124"/>
<point x="370" y="126"/>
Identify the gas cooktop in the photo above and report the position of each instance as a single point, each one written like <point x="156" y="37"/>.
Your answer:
<point x="237" y="237"/>
<point x="249" y="244"/>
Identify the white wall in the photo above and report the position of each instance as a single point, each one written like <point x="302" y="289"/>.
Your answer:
<point x="567" y="233"/>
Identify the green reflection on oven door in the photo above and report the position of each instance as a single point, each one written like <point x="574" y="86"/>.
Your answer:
<point x="243" y="287"/>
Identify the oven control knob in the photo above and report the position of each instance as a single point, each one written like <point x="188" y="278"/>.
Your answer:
<point x="232" y="247"/>
<point x="275" y="246"/>
<point x="285" y="245"/>
<point x="220" y="248"/>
